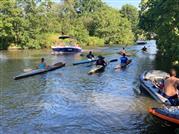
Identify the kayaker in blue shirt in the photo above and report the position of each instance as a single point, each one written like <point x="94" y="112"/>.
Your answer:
<point x="42" y="65"/>
<point x="123" y="60"/>
<point x="90" y="55"/>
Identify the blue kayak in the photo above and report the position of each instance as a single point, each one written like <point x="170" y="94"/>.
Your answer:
<point x="84" y="62"/>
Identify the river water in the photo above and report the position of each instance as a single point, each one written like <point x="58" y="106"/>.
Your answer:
<point x="69" y="101"/>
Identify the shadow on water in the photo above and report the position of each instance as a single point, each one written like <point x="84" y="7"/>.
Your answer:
<point x="70" y="101"/>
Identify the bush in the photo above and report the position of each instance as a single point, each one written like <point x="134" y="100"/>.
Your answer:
<point x="95" y="41"/>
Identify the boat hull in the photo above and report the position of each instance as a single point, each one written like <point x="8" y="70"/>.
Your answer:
<point x="165" y="115"/>
<point x="148" y="85"/>
<point x="68" y="49"/>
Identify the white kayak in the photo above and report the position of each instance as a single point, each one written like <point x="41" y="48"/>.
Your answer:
<point x="96" y="69"/>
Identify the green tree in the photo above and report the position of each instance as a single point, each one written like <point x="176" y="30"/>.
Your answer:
<point x="131" y="12"/>
<point x="161" y="17"/>
<point x="113" y="28"/>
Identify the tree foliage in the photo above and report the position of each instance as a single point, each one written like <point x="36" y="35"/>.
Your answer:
<point x="161" y="17"/>
<point x="27" y="23"/>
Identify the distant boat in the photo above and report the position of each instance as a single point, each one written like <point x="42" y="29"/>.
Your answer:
<point x="141" y="42"/>
<point x="70" y="48"/>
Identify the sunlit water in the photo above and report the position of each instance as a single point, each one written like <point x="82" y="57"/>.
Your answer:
<point x="69" y="101"/>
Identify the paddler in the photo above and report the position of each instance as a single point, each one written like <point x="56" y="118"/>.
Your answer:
<point x="123" y="51"/>
<point x="90" y="55"/>
<point x="100" y="61"/>
<point x="124" y="60"/>
<point x="144" y="49"/>
<point x="170" y="88"/>
<point x="43" y="64"/>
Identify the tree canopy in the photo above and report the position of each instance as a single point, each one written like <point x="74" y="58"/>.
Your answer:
<point x="161" y="17"/>
<point x="37" y="24"/>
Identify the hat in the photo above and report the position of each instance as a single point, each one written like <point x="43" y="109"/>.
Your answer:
<point x="101" y="57"/>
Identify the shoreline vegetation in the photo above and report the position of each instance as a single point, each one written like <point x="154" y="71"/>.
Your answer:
<point x="37" y="24"/>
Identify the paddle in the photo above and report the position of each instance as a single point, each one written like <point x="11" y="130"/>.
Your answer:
<point x="113" y="60"/>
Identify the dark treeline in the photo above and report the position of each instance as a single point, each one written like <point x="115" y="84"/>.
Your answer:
<point x="37" y="24"/>
<point x="161" y="17"/>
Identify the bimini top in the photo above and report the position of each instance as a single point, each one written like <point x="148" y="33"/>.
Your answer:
<point x="65" y="37"/>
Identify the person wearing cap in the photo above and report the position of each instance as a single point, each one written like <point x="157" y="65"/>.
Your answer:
<point x="90" y="55"/>
<point x="100" y="61"/>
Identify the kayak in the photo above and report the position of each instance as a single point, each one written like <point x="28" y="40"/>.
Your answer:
<point x="127" y="54"/>
<point x="39" y="71"/>
<point x="84" y="62"/>
<point x="149" y="80"/>
<point x="170" y="114"/>
<point x="124" y="65"/>
<point x="97" y="69"/>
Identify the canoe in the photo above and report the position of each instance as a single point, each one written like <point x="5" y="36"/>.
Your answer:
<point x="97" y="69"/>
<point x="147" y="79"/>
<point x="170" y="114"/>
<point x="84" y="62"/>
<point x="39" y="71"/>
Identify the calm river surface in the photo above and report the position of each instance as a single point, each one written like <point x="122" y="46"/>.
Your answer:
<point x="69" y="101"/>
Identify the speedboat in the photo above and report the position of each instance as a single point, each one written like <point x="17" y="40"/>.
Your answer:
<point x="153" y="82"/>
<point x="166" y="114"/>
<point x="68" y="47"/>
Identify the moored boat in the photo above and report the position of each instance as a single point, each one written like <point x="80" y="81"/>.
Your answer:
<point x="168" y="114"/>
<point x="68" y="47"/>
<point x="141" y="42"/>
<point x="39" y="71"/>
<point x="152" y="81"/>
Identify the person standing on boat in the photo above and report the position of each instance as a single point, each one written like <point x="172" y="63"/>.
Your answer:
<point x="90" y="55"/>
<point x="43" y="64"/>
<point x="100" y="61"/>
<point x="170" y="88"/>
